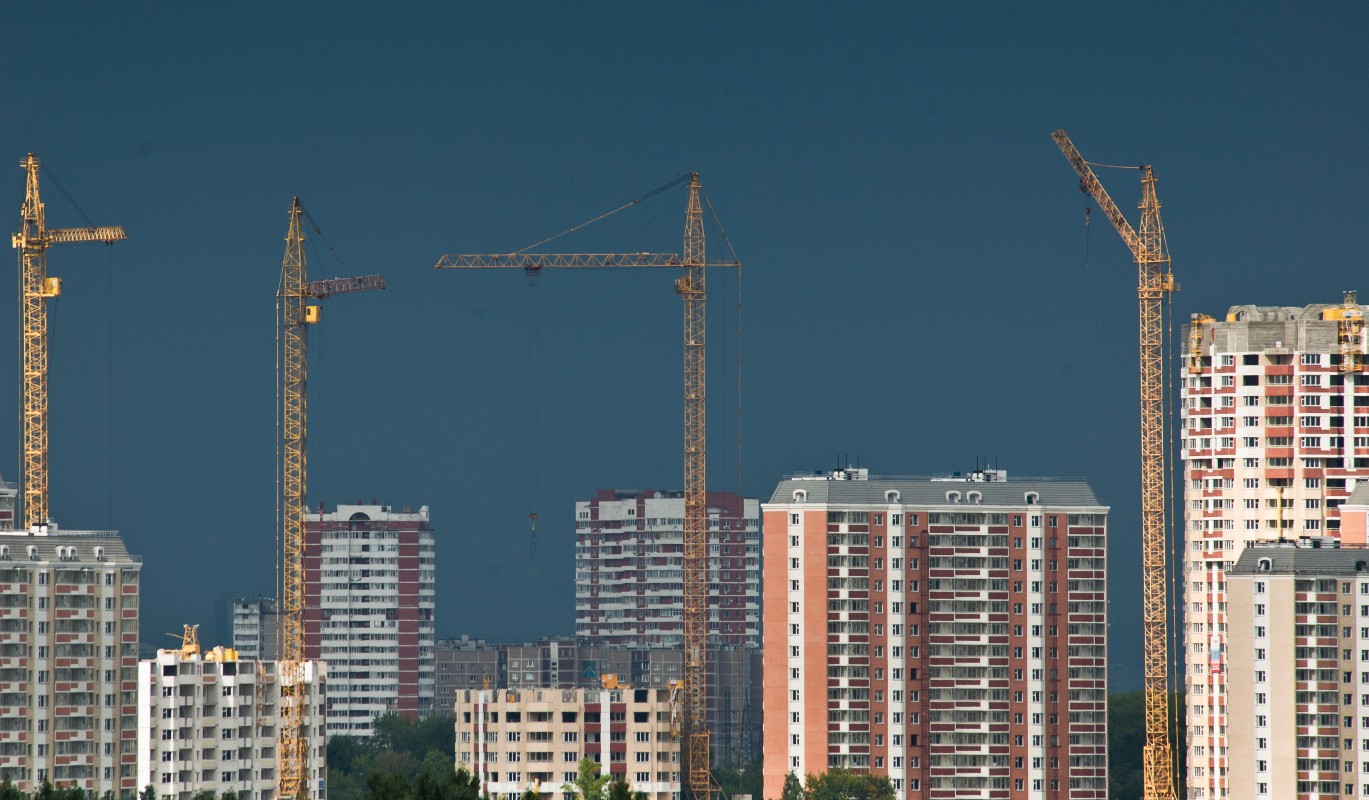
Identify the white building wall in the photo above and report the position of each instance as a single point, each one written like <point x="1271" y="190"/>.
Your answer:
<point x="206" y="725"/>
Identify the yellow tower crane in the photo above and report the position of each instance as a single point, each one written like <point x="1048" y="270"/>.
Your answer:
<point x="35" y="288"/>
<point x="690" y="287"/>
<point x="1155" y="281"/>
<point x="296" y="315"/>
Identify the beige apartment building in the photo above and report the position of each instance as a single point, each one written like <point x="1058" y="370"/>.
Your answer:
<point x="519" y="739"/>
<point x="1298" y="671"/>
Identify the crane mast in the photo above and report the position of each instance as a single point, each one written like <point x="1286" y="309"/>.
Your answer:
<point x="35" y="289"/>
<point x="296" y="315"/>
<point x="1154" y="281"/>
<point x="690" y="286"/>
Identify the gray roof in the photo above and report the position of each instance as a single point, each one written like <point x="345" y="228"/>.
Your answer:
<point x="1359" y="497"/>
<point x="45" y="547"/>
<point x="1301" y="558"/>
<point x="928" y="491"/>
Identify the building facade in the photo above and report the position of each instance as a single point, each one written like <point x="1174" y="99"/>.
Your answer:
<point x="629" y="563"/>
<point x="734" y="680"/>
<point x="1275" y="437"/>
<point x="68" y="660"/>
<point x="209" y="722"/>
<point x="949" y="633"/>
<point x="519" y="739"/>
<point x="370" y="592"/>
<point x="256" y="628"/>
<point x="1298" y="671"/>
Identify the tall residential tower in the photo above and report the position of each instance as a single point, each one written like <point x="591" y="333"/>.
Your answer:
<point x="68" y="660"/>
<point x="369" y="599"/>
<point x="629" y="562"/>
<point x="1275" y="435"/>
<point x="949" y="633"/>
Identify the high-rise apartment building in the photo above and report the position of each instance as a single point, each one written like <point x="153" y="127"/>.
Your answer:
<point x="519" y="739"/>
<point x="256" y="628"/>
<point x="1298" y="671"/>
<point x="1275" y="436"/>
<point x="369" y="600"/>
<point x="68" y="660"/>
<point x="208" y="722"/>
<point x="629" y="563"/>
<point x="949" y="633"/>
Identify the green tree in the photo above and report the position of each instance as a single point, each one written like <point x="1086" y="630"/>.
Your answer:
<point x="741" y="780"/>
<point x="620" y="789"/>
<point x="8" y="791"/>
<point x="149" y="793"/>
<point x="465" y="786"/>
<point x="589" y="784"/>
<point x="387" y="785"/>
<point x="843" y="784"/>
<point x="793" y="790"/>
<point x="1127" y="737"/>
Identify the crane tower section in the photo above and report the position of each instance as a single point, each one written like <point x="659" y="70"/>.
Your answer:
<point x="296" y="315"/>
<point x="691" y="289"/>
<point x="1155" y="280"/>
<point x="35" y="289"/>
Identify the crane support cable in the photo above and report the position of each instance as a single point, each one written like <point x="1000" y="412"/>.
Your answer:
<point x="1114" y="166"/>
<point x="314" y="224"/>
<point x="606" y="214"/>
<point x="48" y="172"/>
<point x="738" y="262"/>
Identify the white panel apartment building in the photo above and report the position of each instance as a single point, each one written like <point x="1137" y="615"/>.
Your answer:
<point x="629" y="569"/>
<point x="68" y="660"/>
<point x="370" y="593"/>
<point x="1275" y="435"/>
<point x="256" y="628"/>
<point x="209" y="723"/>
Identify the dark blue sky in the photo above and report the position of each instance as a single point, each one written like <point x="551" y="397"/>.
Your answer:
<point x="915" y="284"/>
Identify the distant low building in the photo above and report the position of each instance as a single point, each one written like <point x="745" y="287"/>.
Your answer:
<point x="209" y="722"/>
<point x="514" y="740"/>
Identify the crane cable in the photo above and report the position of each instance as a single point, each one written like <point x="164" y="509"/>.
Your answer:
<point x="727" y="241"/>
<point x="606" y="214"/>
<point x="534" y="392"/>
<point x="1171" y="495"/>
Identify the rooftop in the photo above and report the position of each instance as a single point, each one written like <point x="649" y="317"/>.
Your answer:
<point x="858" y="487"/>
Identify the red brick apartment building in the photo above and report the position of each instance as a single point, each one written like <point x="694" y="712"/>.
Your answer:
<point x="948" y="632"/>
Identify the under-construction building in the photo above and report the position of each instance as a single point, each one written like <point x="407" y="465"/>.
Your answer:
<point x="734" y="679"/>
<point x="1275" y="437"/>
<point x="209" y="722"/>
<point x="516" y="740"/>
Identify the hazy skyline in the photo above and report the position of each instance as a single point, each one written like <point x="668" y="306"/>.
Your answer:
<point x="915" y="284"/>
